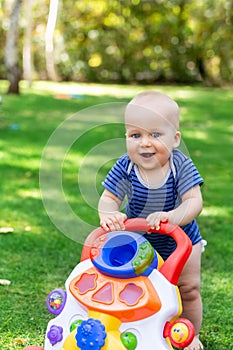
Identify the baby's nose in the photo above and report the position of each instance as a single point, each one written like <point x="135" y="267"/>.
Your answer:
<point x="146" y="141"/>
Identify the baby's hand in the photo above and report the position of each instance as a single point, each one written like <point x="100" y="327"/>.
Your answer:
<point x="113" y="221"/>
<point x="153" y="220"/>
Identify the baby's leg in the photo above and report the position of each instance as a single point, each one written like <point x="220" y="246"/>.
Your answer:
<point x="189" y="285"/>
<point x="195" y="345"/>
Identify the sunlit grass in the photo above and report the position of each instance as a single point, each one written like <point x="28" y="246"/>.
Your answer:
<point x="214" y="211"/>
<point x="37" y="258"/>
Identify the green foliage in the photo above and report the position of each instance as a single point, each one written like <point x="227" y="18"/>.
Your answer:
<point x="128" y="41"/>
<point x="37" y="258"/>
<point x="147" y="41"/>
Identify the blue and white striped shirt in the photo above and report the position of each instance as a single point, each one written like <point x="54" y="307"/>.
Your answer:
<point x="124" y="180"/>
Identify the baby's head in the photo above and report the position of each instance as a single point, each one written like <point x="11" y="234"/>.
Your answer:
<point x="152" y="103"/>
<point x="152" y="129"/>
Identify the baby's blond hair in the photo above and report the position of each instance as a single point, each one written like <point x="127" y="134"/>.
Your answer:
<point x="158" y="103"/>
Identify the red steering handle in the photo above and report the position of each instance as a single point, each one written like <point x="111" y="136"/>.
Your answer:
<point x="172" y="267"/>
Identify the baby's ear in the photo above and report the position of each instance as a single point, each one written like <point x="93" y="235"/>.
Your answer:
<point x="177" y="139"/>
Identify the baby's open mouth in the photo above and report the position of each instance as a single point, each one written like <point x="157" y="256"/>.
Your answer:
<point x="147" y="155"/>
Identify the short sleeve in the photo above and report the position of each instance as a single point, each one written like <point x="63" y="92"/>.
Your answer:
<point x="116" y="180"/>
<point x="187" y="176"/>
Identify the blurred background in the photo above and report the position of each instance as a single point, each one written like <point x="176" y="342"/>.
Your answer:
<point x="117" y="41"/>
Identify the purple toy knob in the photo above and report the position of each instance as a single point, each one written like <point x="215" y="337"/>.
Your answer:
<point x="55" y="334"/>
<point x="56" y="301"/>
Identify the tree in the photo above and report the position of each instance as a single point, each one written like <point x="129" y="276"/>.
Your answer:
<point x="130" y="41"/>
<point x="49" y="47"/>
<point x="12" y="50"/>
<point x="27" y="49"/>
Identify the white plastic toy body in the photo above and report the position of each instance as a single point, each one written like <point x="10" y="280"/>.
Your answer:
<point x="121" y="296"/>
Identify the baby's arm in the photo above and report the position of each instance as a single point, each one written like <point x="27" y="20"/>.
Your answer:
<point x="109" y="212"/>
<point x="188" y="210"/>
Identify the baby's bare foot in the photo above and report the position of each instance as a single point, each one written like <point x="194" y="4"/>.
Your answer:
<point x="195" y="345"/>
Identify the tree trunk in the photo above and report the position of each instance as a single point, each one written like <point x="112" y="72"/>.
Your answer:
<point x="49" y="47"/>
<point x="27" y="49"/>
<point x="12" y="50"/>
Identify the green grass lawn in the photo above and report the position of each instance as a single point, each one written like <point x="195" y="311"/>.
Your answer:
<point x="37" y="257"/>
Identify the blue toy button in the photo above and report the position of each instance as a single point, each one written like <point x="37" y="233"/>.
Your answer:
<point x="91" y="335"/>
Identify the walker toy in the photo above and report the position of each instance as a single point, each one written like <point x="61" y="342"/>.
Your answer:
<point x="122" y="295"/>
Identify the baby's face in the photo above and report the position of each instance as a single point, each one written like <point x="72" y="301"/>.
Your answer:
<point x="151" y="136"/>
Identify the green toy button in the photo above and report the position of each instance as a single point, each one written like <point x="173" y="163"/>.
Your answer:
<point x="129" y="340"/>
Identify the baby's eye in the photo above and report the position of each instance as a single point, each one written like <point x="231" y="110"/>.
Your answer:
<point x="135" y="136"/>
<point x="155" y="134"/>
